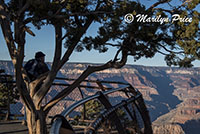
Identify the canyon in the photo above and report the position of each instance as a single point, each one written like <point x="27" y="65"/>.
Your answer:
<point x="171" y="94"/>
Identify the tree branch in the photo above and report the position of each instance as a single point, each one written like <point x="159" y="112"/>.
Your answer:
<point x="75" y="84"/>
<point x="85" y="74"/>
<point x="7" y="32"/>
<point x="165" y="10"/>
<point x="157" y="3"/>
<point x="61" y="8"/>
<point x="113" y="45"/>
<point x="36" y="83"/>
<point x="72" y="14"/>
<point x="118" y="51"/>
<point x="47" y="83"/>
<point x="28" y="20"/>
<point x="58" y="49"/>
<point x="24" y="8"/>
<point x="71" y="47"/>
<point x="39" y="95"/>
<point x="81" y="14"/>
<point x="162" y="53"/>
<point x="21" y="86"/>
<point x="16" y="55"/>
<point x="170" y="51"/>
<point x="75" y="40"/>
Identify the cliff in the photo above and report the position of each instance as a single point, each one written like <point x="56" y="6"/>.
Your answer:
<point x="168" y="129"/>
<point x="171" y="94"/>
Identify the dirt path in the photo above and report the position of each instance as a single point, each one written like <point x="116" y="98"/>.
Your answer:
<point x="12" y="127"/>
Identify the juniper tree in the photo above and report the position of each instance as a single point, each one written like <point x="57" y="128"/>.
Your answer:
<point x="187" y="34"/>
<point x="8" y="93"/>
<point x="71" y="20"/>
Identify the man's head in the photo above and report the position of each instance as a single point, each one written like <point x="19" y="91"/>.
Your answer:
<point x="39" y="56"/>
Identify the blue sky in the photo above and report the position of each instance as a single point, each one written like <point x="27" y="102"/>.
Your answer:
<point x="44" y="41"/>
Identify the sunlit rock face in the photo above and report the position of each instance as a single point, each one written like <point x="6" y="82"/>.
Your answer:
<point x="168" y="129"/>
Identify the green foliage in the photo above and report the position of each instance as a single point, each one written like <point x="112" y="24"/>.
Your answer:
<point x="187" y="35"/>
<point x="93" y="109"/>
<point x="180" y="40"/>
<point x="193" y="4"/>
<point x="8" y="94"/>
<point x="139" y="39"/>
<point x="76" y="120"/>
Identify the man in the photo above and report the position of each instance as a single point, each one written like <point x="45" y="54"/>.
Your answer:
<point x="36" y="67"/>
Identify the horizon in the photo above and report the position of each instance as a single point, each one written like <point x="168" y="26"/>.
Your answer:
<point x="115" y="68"/>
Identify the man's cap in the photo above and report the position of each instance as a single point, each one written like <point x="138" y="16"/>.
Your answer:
<point x="39" y="54"/>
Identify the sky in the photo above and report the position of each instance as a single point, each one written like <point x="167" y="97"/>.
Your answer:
<point x="44" y="41"/>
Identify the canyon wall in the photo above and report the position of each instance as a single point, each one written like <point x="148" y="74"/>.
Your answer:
<point x="171" y="94"/>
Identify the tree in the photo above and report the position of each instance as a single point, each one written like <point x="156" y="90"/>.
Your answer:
<point x="173" y="32"/>
<point x="74" y="18"/>
<point x="92" y="108"/>
<point x="187" y="34"/>
<point x="8" y="93"/>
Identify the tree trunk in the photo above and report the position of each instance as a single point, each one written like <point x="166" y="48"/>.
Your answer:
<point x="8" y="113"/>
<point x="36" y="122"/>
<point x="8" y="107"/>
